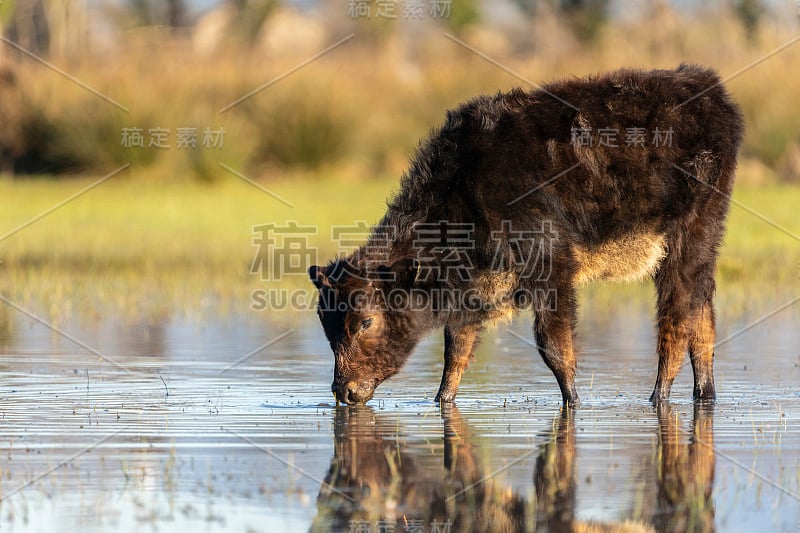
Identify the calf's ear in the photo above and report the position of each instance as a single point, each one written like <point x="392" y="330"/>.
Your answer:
<point x="317" y="276"/>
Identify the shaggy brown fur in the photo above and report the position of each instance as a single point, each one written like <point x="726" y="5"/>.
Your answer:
<point x="544" y="200"/>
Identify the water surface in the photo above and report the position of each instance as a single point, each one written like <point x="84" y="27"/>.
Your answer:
<point x="167" y="432"/>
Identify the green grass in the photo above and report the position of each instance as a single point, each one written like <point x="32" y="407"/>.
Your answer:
<point x="154" y="248"/>
<point x="122" y="224"/>
<point x="150" y="249"/>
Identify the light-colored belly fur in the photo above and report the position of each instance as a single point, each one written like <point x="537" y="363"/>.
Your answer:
<point x="496" y="289"/>
<point x="632" y="257"/>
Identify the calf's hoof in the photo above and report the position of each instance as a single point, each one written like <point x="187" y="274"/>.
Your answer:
<point x="572" y="402"/>
<point x="706" y="393"/>
<point x="659" y="397"/>
<point x="661" y="392"/>
<point x="569" y="397"/>
<point x="445" y="397"/>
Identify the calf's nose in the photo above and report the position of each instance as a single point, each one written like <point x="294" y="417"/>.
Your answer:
<point x="352" y="392"/>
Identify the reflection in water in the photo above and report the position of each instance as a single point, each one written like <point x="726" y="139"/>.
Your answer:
<point x="377" y="480"/>
<point x="686" y="472"/>
<point x="554" y="477"/>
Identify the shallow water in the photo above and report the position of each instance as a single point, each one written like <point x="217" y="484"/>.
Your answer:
<point x="175" y="437"/>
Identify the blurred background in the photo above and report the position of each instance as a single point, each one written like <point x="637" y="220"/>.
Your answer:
<point x="164" y="131"/>
<point x="359" y="112"/>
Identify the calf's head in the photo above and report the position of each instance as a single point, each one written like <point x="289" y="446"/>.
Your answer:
<point x="371" y="336"/>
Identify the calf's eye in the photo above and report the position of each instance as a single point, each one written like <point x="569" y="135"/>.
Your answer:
<point x="367" y="322"/>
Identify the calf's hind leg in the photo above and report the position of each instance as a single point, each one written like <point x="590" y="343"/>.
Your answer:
<point x="673" y="305"/>
<point x="701" y="352"/>
<point x="685" y="321"/>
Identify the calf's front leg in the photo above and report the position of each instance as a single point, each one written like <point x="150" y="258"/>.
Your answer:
<point x="458" y="344"/>
<point x="554" y="328"/>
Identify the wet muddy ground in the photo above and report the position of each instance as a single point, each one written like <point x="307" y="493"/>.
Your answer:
<point x="216" y="425"/>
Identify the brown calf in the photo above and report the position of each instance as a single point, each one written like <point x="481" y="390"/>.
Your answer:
<point x="518" y="199"/>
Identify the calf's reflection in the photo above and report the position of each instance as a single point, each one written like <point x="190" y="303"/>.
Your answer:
<point x="380" y="479"/>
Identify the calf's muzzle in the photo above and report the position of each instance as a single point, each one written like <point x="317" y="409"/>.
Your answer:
<point x="352" y="392"/>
